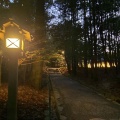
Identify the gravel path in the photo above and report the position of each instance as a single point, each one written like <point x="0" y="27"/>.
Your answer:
<point x="82" y="103"/>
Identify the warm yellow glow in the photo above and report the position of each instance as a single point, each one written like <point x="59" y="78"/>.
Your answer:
<point x="63" y="52"/>
<point x="13" y="43"/>
<point x="22" y="45"/>
<point x="101" y="65"/>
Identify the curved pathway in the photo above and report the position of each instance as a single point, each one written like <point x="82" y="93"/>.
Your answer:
<point x="82" y="103"/>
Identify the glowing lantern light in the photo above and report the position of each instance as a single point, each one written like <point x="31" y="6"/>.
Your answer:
<point x="13" y="43"/>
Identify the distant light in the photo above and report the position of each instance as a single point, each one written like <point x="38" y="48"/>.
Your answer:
<point x="63" y="52"/>
<point x="13" y="43"/>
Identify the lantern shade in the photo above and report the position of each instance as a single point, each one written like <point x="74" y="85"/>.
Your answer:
<point x="13" y="43"/>
<point x="13" y="36"/>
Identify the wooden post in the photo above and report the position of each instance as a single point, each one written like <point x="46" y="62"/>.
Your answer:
<point x="12" y="86"/>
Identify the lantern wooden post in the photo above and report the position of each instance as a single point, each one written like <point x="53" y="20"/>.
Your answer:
<point x="13" y="40"/>
<point x="12" y="85"/>
<point x="12" y="44"/>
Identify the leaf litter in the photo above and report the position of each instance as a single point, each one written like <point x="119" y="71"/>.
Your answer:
<point x="31" y="103"/>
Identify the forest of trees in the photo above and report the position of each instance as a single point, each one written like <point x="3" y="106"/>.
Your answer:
<point x="88" y="31"/>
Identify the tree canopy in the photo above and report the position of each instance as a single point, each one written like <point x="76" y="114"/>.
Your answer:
<point x="87" y="30"/>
